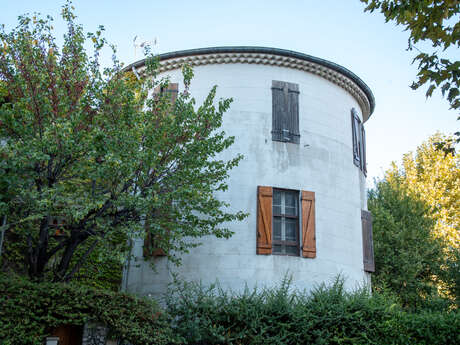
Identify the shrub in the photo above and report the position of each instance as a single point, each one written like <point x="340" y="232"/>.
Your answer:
<point x="328" y="315"/>
<point x="30" y="311"/>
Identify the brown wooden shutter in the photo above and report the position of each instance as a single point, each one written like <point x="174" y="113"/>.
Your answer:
<point x="356" y="135"/>
<point x="171" y="91"/>
<point x="264" y="220"/>
<point x="150" y="248"/>
<point x="368" y="244"/>
<point x="308" y="225"/>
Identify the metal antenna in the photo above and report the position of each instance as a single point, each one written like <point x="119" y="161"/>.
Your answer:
<point x="143" y="44"/>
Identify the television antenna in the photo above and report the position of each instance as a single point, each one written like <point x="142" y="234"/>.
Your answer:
<point x="138" y="43"/>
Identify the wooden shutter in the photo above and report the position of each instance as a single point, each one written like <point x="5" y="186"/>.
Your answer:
<point x="150" y="247"/>
<point x="278" y="109"/>
<point x="293" y="112"/>
<point x="171" y="91"/>
<point x="285" y="111"/>
<point x="308" y="225"/>
<point x="368" y="244"/>
<point x="264" y="220"/>
<point x="363" y="149"/>
<point x="356" y="135"/>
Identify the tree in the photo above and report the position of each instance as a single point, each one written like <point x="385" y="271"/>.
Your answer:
<point x="408" y="258"/>
<point x="416" y="224"/>
<point x="433" y="176"/>
<point x="89" y="154"/>
<point x="436" y="22"/>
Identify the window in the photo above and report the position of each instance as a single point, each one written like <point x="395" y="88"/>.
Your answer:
<point x="359" y="142"/>
<point x="281" y="213"/>
<point x="285" y="112"/>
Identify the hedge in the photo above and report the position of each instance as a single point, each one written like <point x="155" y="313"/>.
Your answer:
<point x="209" y="315"/>
<point x="329" y="315"/>
<point x="30" y="311"/>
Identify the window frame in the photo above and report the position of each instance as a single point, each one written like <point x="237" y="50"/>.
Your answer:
<point x="297" y="243"/>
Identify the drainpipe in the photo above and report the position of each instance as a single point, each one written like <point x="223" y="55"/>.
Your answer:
<point x="126" y="268"/>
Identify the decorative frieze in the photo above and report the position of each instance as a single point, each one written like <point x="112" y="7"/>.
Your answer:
<point x="273" y="60"/>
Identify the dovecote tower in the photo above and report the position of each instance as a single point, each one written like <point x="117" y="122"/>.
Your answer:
<point x="298" y="121"/>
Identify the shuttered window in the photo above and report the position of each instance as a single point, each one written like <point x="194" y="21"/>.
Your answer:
<point x="285" y="112"/>
<point x="368" y="244"/>
<point x="281" y="213"/>
<point x="359" y="142"/>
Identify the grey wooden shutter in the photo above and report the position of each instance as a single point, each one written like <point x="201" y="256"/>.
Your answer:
<point x="278" y="109"/>
<point x="285" y="112"/>
<point x="368" y="244"/>
<point x="356" y="135"/>
<point x="363" y="150"/>
<point x="293" y="113"/>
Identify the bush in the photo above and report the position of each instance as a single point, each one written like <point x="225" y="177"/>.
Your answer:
<point x="30" y="311"/>
<point x="198" y="315"/>
<point x="329" y="315"/>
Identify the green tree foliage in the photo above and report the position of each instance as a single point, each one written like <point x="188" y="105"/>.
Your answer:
<point x="436" y="22"/>
<point x="92" y="151"/>
<point x="408" y="258"/>
<point x="433" y="176"/>
<point x="416" y="210"/>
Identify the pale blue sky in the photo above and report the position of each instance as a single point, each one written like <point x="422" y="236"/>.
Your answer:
<point x="336" y="30"/>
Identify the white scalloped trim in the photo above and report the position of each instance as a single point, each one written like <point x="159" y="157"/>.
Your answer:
<point x="274" y="60"/>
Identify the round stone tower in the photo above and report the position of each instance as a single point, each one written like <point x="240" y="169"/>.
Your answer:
<point x="298" y="121"/>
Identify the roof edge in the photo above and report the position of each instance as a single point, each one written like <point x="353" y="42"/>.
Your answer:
<point x="266" y="50"/>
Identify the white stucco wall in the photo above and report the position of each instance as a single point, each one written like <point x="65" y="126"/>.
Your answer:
<point x="322" y="163"/>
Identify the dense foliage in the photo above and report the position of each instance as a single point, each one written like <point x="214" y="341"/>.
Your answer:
<point x="416" y="209"/>
<point x="327" y="316"/>
<point x="408" y="257"/>
<point x="437" y="23"/>
<point x="91" y="157"/>
<point x="433" y="176"/>
<point x="197" y="315"/>
<point x="30" y="311"/>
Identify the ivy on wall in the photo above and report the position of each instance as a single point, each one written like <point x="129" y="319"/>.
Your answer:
<point x="30" y="311"/>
